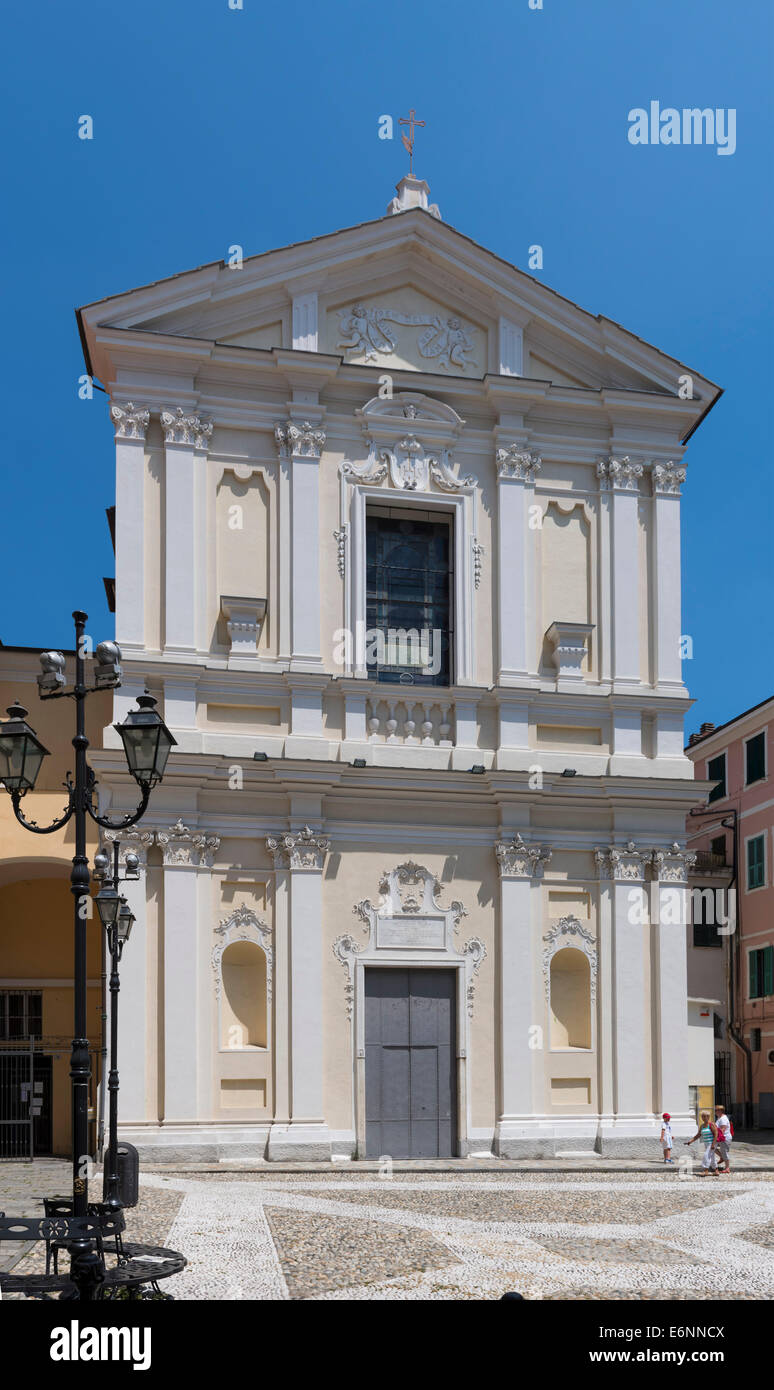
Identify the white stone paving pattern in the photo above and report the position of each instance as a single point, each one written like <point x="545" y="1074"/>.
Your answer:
<point x="223" y="1230"/>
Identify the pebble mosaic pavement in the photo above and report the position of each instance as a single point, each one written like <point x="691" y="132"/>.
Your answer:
<point x="417" y="1236"/>
<point x="414" y="1236"/>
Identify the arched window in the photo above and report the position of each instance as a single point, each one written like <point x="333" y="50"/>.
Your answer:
<point x="570" y="999"/>
<point x="243" y="1005"/>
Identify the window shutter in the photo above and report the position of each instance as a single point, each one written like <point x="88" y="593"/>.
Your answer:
<point x="768" y="970"/>
<point x="756" y="758"/>
<point x="753" y="967"/>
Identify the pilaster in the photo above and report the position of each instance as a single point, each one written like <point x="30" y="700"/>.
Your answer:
<point x="186" y="439"/>
<point x="134" y="1002"/>
<point x="300" y="447"/>
<point x="666" y="480"/>
<point x="521" y="867"/>
<point x="131" y="423"/>
<point x="516" y="469"/>
<point x="632" y="1116"/>
<point x="669" y="914"/>
<point x="299" y="859"/>
<point x="185" y="853"/>
<point x="621" y="479"/>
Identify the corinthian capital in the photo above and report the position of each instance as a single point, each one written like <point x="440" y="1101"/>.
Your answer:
<point x="666" y="479"/>
<point x="180" y="428"/>
<point x="627" y="863"/>
<point x="180" y="845"/>
<point x="131" y="421"/>
<point x="515" y="462"/>
<point x="302" y="441"/>
<point x="519" y="860"/>
<point x="299" y="849"/>
<point x="620" y="474"/>
<point x="673" y="865"/>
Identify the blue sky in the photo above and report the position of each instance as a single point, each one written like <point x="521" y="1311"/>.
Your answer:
<point x="258" y="126"/>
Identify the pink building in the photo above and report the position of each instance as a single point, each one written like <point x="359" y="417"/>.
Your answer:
<point x="733" y="904"/>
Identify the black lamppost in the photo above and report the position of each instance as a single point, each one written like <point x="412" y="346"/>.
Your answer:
<point x="117" y="918"/>
<point x="147" y="743"/>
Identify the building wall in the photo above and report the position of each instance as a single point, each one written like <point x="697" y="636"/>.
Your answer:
<point x="755" y="906"/>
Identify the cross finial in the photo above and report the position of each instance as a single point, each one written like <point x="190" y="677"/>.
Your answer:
<point x="408" y="140"/>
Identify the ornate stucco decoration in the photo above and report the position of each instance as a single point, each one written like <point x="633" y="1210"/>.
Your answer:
<point x="299" y="441"/>
<point x="180" y="845"/>
<point x="410" y="925"/>
<point x="242" y="925"/>
<point x="478" y="556"/>
<point x="346" y="950"/>
<point x="516" y="462"/>
<point x="132" y="841"/>
<point x="620" y="474"/>
<point x="179" y="428"/>
<point x="340" y="538"/>
<point x="409" y="438"/>
<point x="626" y="863"/>
<point x="673" y="865"/>
<point x="447" y="342"/>
<point x="667" y="479"/>
<point x="519" y="860"/>
<point x="299" y="849"/>
<point x="131" y="421"/>
<point x="569" y="931"/>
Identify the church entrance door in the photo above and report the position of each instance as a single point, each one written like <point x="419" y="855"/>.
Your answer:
<point x="410" y="1063"/>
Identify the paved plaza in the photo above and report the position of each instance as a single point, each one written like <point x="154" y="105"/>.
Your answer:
<point x="622" y="1231"/>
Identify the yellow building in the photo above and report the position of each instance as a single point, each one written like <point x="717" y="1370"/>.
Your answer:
<point x="36" y="928"/>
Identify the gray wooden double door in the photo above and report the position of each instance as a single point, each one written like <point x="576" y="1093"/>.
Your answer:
<point x="410" y="1063"/>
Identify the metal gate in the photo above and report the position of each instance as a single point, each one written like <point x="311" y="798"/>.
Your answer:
<point x="17" y="1101"/>
<point x="410" y="1063"/>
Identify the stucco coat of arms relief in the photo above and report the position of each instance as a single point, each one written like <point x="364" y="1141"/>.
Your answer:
<point x="371" y="333"/>
<point x="408" y="439"/>
<point x="410" y="924"/>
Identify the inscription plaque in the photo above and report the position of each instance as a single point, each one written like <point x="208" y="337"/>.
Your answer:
<point x="416" y="932"/>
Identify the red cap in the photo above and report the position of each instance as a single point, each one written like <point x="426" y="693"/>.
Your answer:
<point x="665" y="1116"/>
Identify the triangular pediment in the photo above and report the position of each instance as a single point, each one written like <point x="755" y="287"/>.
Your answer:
<point x="407" y="292"/>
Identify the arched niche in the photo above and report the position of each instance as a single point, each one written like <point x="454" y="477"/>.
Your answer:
<point x="570" y="999"/>
<point x="243" y="1011"/>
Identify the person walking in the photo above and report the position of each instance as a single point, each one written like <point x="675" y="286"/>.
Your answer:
<point x="708" y="1134"/>
<point x="666" y="1137"/>
<point x="725" y="1136"/>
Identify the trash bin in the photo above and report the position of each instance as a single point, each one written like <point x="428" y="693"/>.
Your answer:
<point x="128" y="1175"/>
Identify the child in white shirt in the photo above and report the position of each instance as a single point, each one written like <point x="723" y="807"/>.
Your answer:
<point x="666" y="1137"/>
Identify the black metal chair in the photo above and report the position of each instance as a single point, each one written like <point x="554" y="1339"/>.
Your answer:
<point x="53" y="1207"/>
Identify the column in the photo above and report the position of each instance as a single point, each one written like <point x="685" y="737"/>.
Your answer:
<point x="300" y="446"/>
<point x="299" y="857"/>
<point x="622" y="478"/>
<point x="518" y="1132"/>
<point x="666" y="480"/>
<point x="184" y="853"/>
<point x="134" y="1006"/>
<point x="131" y="422"/>
<point x="516" y="468"/>
<point x="670" y="984"/>
<point x="631" y="1129"/>
<point x="186" y="438"/>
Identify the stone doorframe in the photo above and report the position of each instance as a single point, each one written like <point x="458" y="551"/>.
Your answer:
<point x="409" y="929"/>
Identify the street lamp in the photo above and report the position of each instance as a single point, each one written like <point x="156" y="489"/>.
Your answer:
<point x="147" y="743"/>
<point x="117" y="918"/>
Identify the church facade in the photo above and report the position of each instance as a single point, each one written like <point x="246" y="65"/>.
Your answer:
<point x="398" y="552"/>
